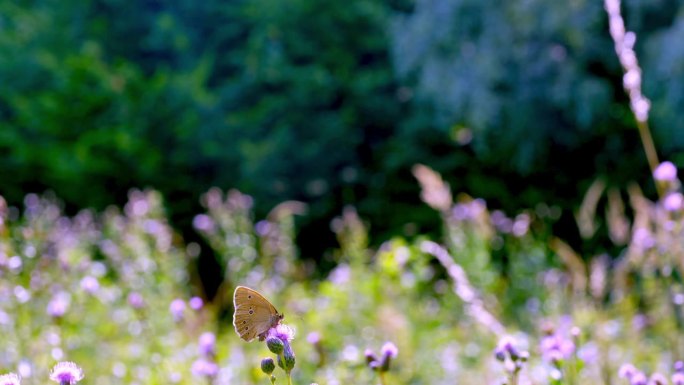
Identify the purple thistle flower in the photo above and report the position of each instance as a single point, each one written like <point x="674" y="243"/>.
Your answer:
<point x="207" y="344"/>
<point x="196" y="303"/>
<point x="638" y="378"/>
<point x="313" y="338"/>
<point x="679" y="366"/>
<point x="370" y="356"/>
<point x="90" y="284"/>
<point x="556" y="347"/>
<point x="657" y="379"/>
<point x="66" y="373"/>
<point x="665" y="172"/>
<point x="58" y="305"/>
<point x="204" y="368"/>
<point x="136" y="300"/>
<point x="389" y="350"/>
<point x="673" y="201"/>
<point x="282" y="332"/>
<point x="678" y="378"/>
<point x="10" y="379"/>
<point x="627" y="371"/>
<point x="177" y="308"/>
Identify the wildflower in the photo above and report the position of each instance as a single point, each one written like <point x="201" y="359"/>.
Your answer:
<point x="638" y="378"/>
<point x="177" y="307"/>
<point x="665" y="172"/>
<point x="58" y="305"/>
<point x="10" y="379"/>
<point x="506" y="345"/>
<point x="673" y="201"/>
<point x="556" y="347"/>
<point x="275" y="344"/>
<point x="282" y="332"/>
<point x="196" y="303"/>
<point x="388" y="352"/>
<point x="136" y="300"/>
<point x="66" y="373"/>
<point x="313" y="338"/>
<point x="267" y="365"/>
<point x="89" y="284"/>
<point x="286" y="360"/>
<point x="678" y="378"/>
<point x="207" y="344"/>
<point x="657" y="379"/>
<point x="627" y="371"/>
<point x="204" y="368"/>
<point x="370" y="357"/>
<point x="679" y="366"/>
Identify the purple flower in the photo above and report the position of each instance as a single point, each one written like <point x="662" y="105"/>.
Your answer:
<point x="177" y="308"/>
<point x="389" y="350"/>
<point x="313" y="338"/>
<point x="204" y="223"/>
<point x="370" y="356"/>
<point x="627" y="371"/>
<point x="9" y="379"/>
<point x="196" y="303"/>
<point x="58" y="305"/>
<point x="556" y="347"/>
<point x="638" y="378"/>
<point x="136" y="300"/>
<point x="673" y="201"/>
<point x="207" y="344"/>
<point x="665" y="172"/>
<point x="678" y="378"/>
<point x="90" y="284"/>
<point x="506" y="345"/>
<point x="657" y="379"/>
<point x="204" y="368"/>
<point x="282" y="332"/>
<point x="66" y="373"/>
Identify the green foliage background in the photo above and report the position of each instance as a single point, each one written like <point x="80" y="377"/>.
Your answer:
<point x="328" y="102"/>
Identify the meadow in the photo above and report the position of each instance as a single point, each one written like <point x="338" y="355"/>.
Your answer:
<point x="113" y="296"/>
<point x="110" y="291"/>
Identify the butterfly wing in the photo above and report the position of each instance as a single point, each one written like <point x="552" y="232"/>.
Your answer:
<point x="253" y="315"/>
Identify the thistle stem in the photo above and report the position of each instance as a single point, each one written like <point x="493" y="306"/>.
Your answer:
<point x="382" y="378"/>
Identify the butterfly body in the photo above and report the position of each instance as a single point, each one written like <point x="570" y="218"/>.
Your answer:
<point x="254" y="314"/>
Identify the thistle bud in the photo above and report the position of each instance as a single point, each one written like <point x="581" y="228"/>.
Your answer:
<point x="275" y="345"/>
<point x="267" y="365"/>
<point x="288" y="358"/>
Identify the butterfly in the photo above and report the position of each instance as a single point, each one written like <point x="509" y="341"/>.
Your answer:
<point x="254" y="315"/>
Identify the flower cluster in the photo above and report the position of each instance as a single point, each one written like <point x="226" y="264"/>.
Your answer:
<point x="636" y="377"/>
<point x="388" y="352"/>
<point x="205" y="366"/>
<point x="512" y="358"/>
<point x="278" y="341"/>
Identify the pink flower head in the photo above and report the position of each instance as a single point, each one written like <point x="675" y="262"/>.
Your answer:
<point x="196" y="303"/>
<point x="204" y="368"/>
<point x="673" y="201"/>
<point x="66" y="373"/>
<point x="282" y="332"/>
<point x="665" y="172"/>
<point x="207" y="344"/>
<point x="389" y="350"/>
<point x="9" y="379"/>
<point x="678" y="378"/>
<point x="177" y="308"/>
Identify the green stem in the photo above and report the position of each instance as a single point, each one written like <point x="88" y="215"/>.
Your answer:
<point x="289" y="378"/>
<point x="382" y="378"/>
